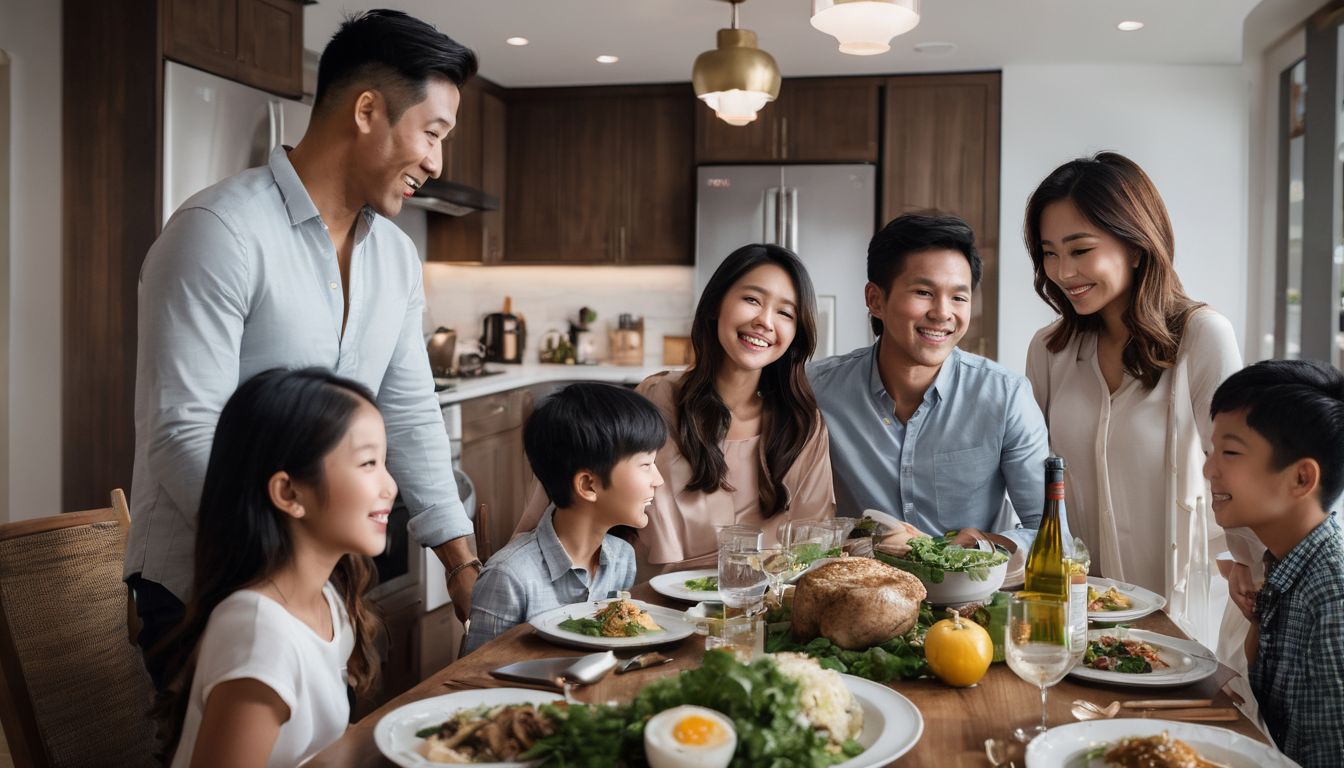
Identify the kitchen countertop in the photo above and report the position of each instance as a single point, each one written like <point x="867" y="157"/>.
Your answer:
<point x="515" y="376"/>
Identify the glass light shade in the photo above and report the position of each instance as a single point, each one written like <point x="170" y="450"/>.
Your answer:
<point x="736" y="107"/>
<point x="865" y="27"/>
<point x="736" y="79"/>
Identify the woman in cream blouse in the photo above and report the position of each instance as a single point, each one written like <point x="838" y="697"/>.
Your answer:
<point x="1124" y="378"/>
<point x="746" y="442"/>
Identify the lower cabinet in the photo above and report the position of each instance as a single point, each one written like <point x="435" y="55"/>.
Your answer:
<point x="493" y="457"/>
<point x="398" y="649"/>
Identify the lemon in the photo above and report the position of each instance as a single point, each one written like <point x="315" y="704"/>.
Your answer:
<point x="958" y="651"/>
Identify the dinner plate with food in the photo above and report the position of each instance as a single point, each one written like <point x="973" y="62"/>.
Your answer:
<point x="618" y="623"/>
<point x="1143" y="659"/>
<point x="493" y="726"/>
<point x="691" y="586"/>
<point x="1121" y="743"/>
<point x="1115" y="601"/>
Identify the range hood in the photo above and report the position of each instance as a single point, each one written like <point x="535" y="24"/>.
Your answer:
<point x="452" y="198"/>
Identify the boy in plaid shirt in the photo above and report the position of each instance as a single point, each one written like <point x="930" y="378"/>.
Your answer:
<point x="1276" y="465"/>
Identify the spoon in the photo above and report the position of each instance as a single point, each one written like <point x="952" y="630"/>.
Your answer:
<point x="998" y="751"/>
<point x="1086" y="710"/>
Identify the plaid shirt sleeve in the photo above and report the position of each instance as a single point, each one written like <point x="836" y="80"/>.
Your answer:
<point x="1320" y="703"/>
<point x="498" y="603"/>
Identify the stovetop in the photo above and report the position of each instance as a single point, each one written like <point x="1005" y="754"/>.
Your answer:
<point x="449" y="384"/>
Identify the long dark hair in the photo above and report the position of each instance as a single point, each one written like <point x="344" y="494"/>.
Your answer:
<point x="276" y="421"/>
<point x="1114" y="193"/>
<point x="790" y="408"/>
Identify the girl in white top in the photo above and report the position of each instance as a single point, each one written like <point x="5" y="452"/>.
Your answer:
<point x="1125" y="378"/>
<point x="295" y="501"/>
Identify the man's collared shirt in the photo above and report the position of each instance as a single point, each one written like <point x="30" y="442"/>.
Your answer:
<point x="534" y="574"/>
<point x="977" y="435"/>
<point x="245" y="278"/>
<point x="1298" y="674"/>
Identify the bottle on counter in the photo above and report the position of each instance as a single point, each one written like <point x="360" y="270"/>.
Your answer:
<point x="1047" y="572"/>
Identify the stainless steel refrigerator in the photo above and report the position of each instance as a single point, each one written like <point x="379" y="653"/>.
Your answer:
<point x="824" y="213"/>
<point x="214" y="128"/>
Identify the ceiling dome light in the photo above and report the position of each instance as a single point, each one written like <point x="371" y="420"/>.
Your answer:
<point x="865" y="27"/>
<point x="1130" y="26"/>
<point x="607" y="58"/>
<point x="517" y="41"/>
<point x="736" y="79"/>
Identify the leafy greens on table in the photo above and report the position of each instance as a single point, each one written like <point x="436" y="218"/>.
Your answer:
<point x="931" y="557"/>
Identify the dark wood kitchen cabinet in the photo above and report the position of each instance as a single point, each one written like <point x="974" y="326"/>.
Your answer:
<point x="814" y="120"/>
<point x="257" y="42"/>
<point x="600" y="176"/>
<point x="474" y="155"/>
<point x="493" y="457"/>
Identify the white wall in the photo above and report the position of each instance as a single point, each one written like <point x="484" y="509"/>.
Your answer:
<point x="1185" y="125"/>
<point x="31" y="35"/>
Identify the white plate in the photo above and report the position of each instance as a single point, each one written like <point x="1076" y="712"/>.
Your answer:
<point x="1189" y="662"/>
<point x="395" y="733"/>
<point x="1145" y="602"/>
<point x="892" y="723"/>
<point x="674" y="624"/>
<point x="1066" y="746"/>
<point x="673" y="585"/>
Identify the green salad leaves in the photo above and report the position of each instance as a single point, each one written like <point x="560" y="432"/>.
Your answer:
<point x="930" y="558"/>
<point x="900" y="658"/>
<point x="703" y="584"/>
<point x="762" y="703"/>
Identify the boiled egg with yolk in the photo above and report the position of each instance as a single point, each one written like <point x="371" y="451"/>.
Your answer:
<point x="689" y="737"/>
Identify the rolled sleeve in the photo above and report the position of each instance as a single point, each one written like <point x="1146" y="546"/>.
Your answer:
<point x="418" y="454"/>
<point x="193" y="304"/>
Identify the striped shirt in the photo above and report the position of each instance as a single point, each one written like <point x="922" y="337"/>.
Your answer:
<point x="1298" y="674"/>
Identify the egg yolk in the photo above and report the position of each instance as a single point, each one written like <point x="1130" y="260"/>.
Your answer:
<point x="697" y="731"/>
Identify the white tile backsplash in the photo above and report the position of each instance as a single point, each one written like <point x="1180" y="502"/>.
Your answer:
<point x="460" y="296"/>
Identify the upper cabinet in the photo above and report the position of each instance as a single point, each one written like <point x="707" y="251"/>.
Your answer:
<point x="473" y="154"/>
<point x="600" y="176"/>
<point x="815" y="120"/>
<point x="256" y="42"/>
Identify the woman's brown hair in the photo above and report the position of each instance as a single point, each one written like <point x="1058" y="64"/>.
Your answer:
<point x="1114" y="193"/>
<point x="790" y="416"/>
<point x="276" y="421"/>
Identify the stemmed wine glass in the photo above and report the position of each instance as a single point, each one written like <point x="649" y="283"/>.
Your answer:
<point x="807" y="541"/>
<point x="1036" y="645"/>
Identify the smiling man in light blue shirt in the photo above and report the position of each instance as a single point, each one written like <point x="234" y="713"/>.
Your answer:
<point x="919" y="429"/>
<point x="295" y="264"/>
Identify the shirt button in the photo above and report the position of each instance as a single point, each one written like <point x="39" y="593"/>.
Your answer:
<point x="886" y="421"/>
<point x="333" y="285"/>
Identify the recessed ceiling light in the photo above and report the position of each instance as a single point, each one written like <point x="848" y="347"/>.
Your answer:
<point x="1130" y="26"/>
<point x="607" y="59"/>
<point x="517" y="41"/>
<point x="935" y="48"/>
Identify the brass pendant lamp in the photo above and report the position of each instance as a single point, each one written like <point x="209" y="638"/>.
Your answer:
<point x="736" y="79"/>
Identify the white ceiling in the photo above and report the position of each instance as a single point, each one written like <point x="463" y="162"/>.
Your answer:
<point x="657" y="40"/>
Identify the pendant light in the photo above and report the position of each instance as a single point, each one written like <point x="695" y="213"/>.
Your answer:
<point x="736" y="79"/>
<point x="865" y="27"/>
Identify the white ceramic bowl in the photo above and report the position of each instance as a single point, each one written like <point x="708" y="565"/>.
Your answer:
<point x="957" y="588"/>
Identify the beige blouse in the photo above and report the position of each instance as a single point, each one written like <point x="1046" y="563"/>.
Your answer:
<point x="682" y="529"/>
<point x="1134" y="483"/>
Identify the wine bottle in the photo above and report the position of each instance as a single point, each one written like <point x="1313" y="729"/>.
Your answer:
<point x="1047" y="573"/>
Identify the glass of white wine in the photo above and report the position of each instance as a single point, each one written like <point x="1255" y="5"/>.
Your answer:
<point x="1036" y="644"/>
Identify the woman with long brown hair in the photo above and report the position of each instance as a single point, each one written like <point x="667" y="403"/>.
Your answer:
<point x="746" y="444"/>
<point x="1125" y="377"/>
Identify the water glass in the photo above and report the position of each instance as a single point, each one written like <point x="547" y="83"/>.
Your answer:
<point x="740" y="538"/>
<point x="742" y="579"/>
<point x="807" y="541"/>
<point x="743" y="635"/>
<point x="1036" y="644"/>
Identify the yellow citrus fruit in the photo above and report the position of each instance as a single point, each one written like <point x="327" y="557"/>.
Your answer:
<point x="958" y="651"/>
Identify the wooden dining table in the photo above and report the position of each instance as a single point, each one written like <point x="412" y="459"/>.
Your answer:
<point x="957" y="721"/>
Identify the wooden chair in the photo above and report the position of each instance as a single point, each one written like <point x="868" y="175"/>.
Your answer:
<point x="73" y="687"/>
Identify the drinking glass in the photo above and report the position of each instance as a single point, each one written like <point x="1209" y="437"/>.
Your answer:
<point x="807" y="541"/>
<point x="1036" y="643"/>
<point x="740" y="538"/>
<point x="775" y="563"/>
<point x="742" y="580"/>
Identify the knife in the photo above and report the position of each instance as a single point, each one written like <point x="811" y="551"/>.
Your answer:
<point x="584" y="670"/>
<point x="1209" y="714"/>
<point x="1166" y="703"/>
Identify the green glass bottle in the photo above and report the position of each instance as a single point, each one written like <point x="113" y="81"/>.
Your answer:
<point x="1047" y="572"/>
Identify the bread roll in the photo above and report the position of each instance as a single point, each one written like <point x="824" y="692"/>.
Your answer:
<point x="855" y="602"/>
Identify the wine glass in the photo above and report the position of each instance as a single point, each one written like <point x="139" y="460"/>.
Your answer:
<point x="1036" y="644"/>
<point x="775" y="563"/>
<point x="739" y="538"/>
<point x="807" y="541"/>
